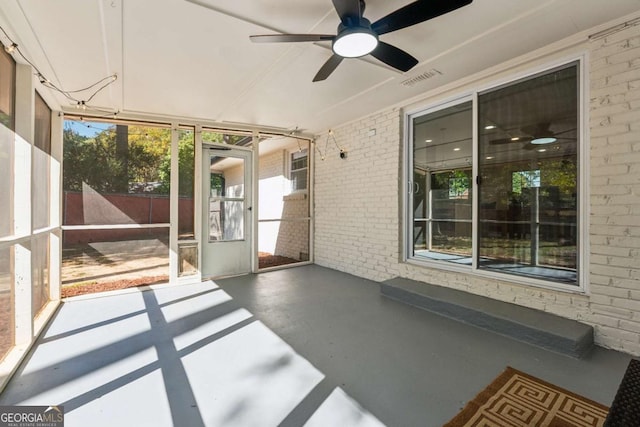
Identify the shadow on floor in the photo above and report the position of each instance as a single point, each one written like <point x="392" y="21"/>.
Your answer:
<point x="301" y="346"/>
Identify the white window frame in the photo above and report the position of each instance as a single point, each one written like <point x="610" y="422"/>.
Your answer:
<point x="290" y="170"/>
<point x="582" y="273"/>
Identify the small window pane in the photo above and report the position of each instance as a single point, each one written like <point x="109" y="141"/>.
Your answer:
<point x="186" y="155"/>
<point x="226" y="204"/>
<point x="226" y="220"/>
<point x="299" y="180"/>
<point x="299" y="170"/>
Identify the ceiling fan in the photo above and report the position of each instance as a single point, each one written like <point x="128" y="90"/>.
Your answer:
<point x="539" y="134"/>
<point x="357" y="36"/>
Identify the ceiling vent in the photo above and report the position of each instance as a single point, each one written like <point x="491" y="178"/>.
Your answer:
<point x="422" y="77"/>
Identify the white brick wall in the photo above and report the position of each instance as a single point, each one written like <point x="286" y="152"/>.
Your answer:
<point x="358" y="213"/>
<point x="357" y="198"/>
<point x="614" y="304"/>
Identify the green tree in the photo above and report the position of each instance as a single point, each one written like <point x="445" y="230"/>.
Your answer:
<point x="90" y="161"/>
<point x="148" y="148"/>
<point x="186" y="155"/>
<point x="97" y="162"/>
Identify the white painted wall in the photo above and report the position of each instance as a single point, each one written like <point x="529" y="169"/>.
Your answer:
<point x="358" y="200"/>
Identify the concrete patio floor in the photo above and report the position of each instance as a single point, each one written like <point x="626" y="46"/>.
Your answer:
<point x="300" y="346"/>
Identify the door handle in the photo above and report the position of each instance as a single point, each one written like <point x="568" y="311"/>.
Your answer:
<point x="249" y="208"/>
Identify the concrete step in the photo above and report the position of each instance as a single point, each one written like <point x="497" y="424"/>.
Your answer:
<point x="535" y="327"/>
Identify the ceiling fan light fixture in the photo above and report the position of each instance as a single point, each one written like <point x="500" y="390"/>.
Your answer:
<point x="543" y="140"/>
<point x="355" y="42"/>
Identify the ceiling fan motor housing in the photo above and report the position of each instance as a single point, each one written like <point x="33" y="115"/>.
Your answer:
<point x="354" y="41"/>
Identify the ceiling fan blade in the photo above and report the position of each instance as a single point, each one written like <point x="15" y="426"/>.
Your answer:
<point x="289" y="38"/>
<point x="562" y="132"/>
<point x="391" y="55"/>
<point x="415" y="13"/>
<point x="328" y="68"/>
<point x="348" y="9"/>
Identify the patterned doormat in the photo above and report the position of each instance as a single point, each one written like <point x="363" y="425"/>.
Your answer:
<point x="518" y="399"/>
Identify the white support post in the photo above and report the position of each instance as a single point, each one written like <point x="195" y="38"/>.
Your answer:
<point x="174" y="207"/>
<point x="197" y="196"/>
<point x="55" y="190"/>
<point x="55" y="207"/>
<point x="255" y="214"/>
<point x="24" y="131"/>
<point x="311" y="189"/>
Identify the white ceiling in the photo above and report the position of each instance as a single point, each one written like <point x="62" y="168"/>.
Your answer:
<point x="193" y="58"/>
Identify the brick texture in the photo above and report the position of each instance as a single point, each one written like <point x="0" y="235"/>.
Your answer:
<point x="358" y="214"/>
<point x="614" y="223"/>
<point x="357" y="198"/>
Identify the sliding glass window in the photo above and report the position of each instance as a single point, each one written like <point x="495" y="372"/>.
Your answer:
<point x="528" y="168"/>
<point x="526" y="180"/>
<point x="442" y="184"/>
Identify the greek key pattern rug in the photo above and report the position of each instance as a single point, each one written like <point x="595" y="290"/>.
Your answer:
<point x="519" y="399"/>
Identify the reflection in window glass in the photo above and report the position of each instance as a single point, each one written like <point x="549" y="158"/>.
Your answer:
<point x="442" y="185"/>
<point x="41" y="163"/>
<point x="527" y="201"/>
<point x="186" y="158"/>
<point x="40" y="272"/>
<point x="528" y="141"/>
<point x="7" y="306"/>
